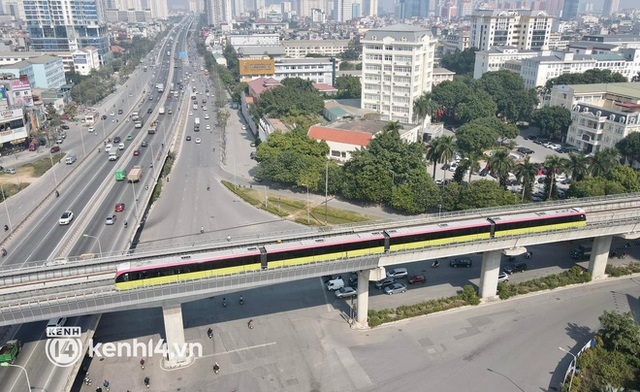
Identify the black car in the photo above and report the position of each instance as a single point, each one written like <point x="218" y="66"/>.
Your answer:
<point x="119" y="111"/>
<point x="525" y="150"/>
<point x="104" y="116"/>
<point x="531" y="137"/>
<point x="483" y="173"/>
<point x="117" y="139"/>
<point x="64" y="126"/>
<point x="149" y="110"/>
<point x="516" y="267"/>
<point x="455" y="263"/>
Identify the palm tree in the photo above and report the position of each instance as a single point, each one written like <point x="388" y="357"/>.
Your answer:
<point x="445" y="150"/>
<point x="526" y="174"/>
<point x="501" y="163"/>
<point x="577" y="165"/>
<point x="432" y="155"/>
<point x="472" y="162"/>
<point x="424" y="107"/>
<point x="604" y="161"/>
<point x="553" y="163"/>
<point x="393" y="127"/>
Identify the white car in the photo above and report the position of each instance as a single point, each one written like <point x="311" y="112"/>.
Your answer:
<point x="208" y="127"/>
<point x="121" y="146"/>
<point x="92" y="129"/>
<point x="108" y="147"/>
<point x="206" y="116"/>
<point x="198" y="141"/>
<point x="66" y="218"/>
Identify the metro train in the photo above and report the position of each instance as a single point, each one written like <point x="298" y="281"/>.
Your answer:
<point x="172" y="269"/>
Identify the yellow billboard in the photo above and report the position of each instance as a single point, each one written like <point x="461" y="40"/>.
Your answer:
<point x="257" y="67"/>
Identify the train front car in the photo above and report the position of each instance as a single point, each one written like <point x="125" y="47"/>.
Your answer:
<point x="173" y="269"/>
<point x="539" y="221"/>
<point x="320" y="249"/>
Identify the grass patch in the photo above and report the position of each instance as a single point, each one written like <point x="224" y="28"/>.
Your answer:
<point x="572" y="276"/>
<point x="38" y="168"/>
<point x="631" y="268"/>
<point x="294" y="209"/>
<point x="10" y="189"/>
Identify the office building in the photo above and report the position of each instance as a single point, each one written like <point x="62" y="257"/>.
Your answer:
<point x="342" y="10"/>
<point x="570" y="9"/>
<point x="397" y="68"/>
<point x="301" y="48"/>
<point x="67" y="25"/>
<point x="218" y="12"/>
<point x="610" y="7"/>
<point x="524" y="30"/>
<point x="369" y="7"/>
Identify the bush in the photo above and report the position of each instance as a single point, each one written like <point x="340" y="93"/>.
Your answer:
<point x="571" y="276"/>
<point x="628" y="269"/>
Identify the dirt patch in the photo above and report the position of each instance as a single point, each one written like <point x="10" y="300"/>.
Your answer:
<point x="23" y="175"/>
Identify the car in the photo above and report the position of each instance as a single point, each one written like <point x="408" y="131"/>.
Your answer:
<point x="191" y="113"/>
<point x="188" y="138"/>
<point x="112" y="114"/>
<point x="121" y="146"/>
<point x="119" y="111"/>
<point x="395" y="288"/>
<point x="59" y="140"/>
<point x="453" y="166"/>
<point x="542" y="179"/>
<point x="206" y="116"/>
<point x="129" y="138"/>
<point x="417" y="279"/>
<point x="66" y="218"/>
<point x="531" y="137"/>
<point x="198" y="141"/>
<point x="208" y="127"/>
<point x="346" y="292"/>
<point x="253" y="155"/>
<point x="104" y="117"/>
<point x="244" y="127"/>
<point x="397" y="273"/>
<point x="116" y="140"/>
<point x="483" y="173"/>
<point x="382" y="283"/>
<point x="64" y="126"/>
<point x="353" y="279"/>
<point x="149" y="111"/>
<point x="54" y="149"/>
<point x="111" y="219"/>
<point x="144" y="143"/>
<point x="136" y="153"/>
<point x="525" y="150"/>
<point x="150" y="98"/>
<point x="10" y="170"/>
<point x="119" y="207"/>
<point x="503" y="277"/>
<point x="462" y="262"/>
<point x="92" y="129"/>
<point x="520" y="266"/>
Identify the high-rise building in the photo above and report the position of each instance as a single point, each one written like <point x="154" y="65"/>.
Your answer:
<point x="397" y="68"/>
<point x="369" y="7"/>
<point x="610" y="7"/>
<point x="570" y="9"/>
<point x="524" y="30"/>
<point x="342" y="10"/>
<point x="412" y="8"/>
<point x="218" y="12"/>
<point x="67" y="25"/>
<point x="159" y="9"/>
<point x="14" y="8"/>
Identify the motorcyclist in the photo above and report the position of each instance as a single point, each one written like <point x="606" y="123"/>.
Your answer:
<point x="216" y="367"/>
<point x="6" y="227"/>
<point x="126" y="224"/>
<point x="57" y="194"/>
<point x="210" y="333"/>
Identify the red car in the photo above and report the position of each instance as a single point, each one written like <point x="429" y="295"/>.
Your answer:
<point x="136" y="153"/>
<point x="55" y="149"/>
<point x="418" y="279"/>
<point x="119" y="207"/>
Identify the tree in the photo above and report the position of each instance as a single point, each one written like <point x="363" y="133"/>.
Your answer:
<point x="553" y="163"/>
<point x="590" y="76"/>
<point x="71" y="110"/>
<point x="627" y="177"/>
<point x="294" y="97"/>
<point x="482" y="194"/>
<point x="620" y="332"/>
<point x="476" y="136"/>
<point x="603" y="161"/>
<point x="449" y="94"/>
<point x="446" y="150"/>
<point x="629" y="147"/>
<point x="348" y="87"/>
<point x="354" y="50"/>
<point x="52" y="115"/>
<point x="526" y="174"/>
<point x="416" y="196"/>
<point x="577" y="165"/>
<point x="508" y="91"/>
<point x="501" y="163"/>
<point x="460" y="62"/>
<point x="553" y="121"/>
<point x="424" y="107"/>
<point x="393" y="127"/>
<point x="477" y="105"/>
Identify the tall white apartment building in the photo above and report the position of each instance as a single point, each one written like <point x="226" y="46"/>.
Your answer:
<point x="397" y="68"/>
<point x="495" y="58"/>
<point x="525" y="30"/>
<point x="218" y="12"/>
<point x="301" y="48"/>
<point x="343" y="10"/>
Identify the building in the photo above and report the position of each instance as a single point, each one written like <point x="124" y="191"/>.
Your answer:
<point x="610" y="7"/>
<point x="42" y="72"/>
<point x="84" y="60"/>
<point x="442" y="74"/>
<point x="524" y="30"/>
<point x="67" y="25"/>
<point x="570" y="9"/>
<point x="457" y="41"/>
<point x="317" y="70"/>
<point x="407" y="9"/>
<point x="301" y="48"/>
<point x="342" y="10"/>
<point x="218" y="12"/>
<point x="241" y="40"/>
<point x="397" y="68"/>
<point x="601" y="114"/>
<point x="369" y="7"/>
<point x="495" y="59"/>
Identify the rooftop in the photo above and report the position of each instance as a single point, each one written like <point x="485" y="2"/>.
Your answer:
<point x="625" y="89"/>
<point x="399" y="32"/>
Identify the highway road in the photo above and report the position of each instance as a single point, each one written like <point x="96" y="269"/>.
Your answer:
<point x="91" y="192"/>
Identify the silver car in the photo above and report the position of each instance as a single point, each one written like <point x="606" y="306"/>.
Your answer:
<point x="346" y="292"/>
<point x="395" y="288"/>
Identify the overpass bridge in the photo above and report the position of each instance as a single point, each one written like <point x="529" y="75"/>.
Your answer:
<point x="41" y="291"/>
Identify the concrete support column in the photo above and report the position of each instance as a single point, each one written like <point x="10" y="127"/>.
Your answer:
<point x="489" y="274"/>
<point x="599" y="257"/>
<point x="362" y="303"/>
<point x="178" y="353"/>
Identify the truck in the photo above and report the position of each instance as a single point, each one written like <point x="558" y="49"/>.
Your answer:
<point x="138" y="123"/>
<point x="161" y="110"/>
<point x="160" y="87"/>
<point x="196" y="124"/>
<point x="581" y="252"/>
<point x="10" y="350"/>
<point x="153" y="128"/>
<point x="144" y="68"/>
<point x="135" y="116"/>
<point x="121" y="174"/>
<point x="135" y="174"/>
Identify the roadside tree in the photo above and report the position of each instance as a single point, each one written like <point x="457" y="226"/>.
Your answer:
<point x="553" y="121"/>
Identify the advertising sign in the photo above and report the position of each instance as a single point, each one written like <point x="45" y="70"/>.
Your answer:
<point x="12" y="126"/>
<point x="257" y="67"/>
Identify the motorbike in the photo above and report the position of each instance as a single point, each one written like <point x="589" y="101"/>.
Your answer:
<point x="224" y="302"/>
<point x="210" y="333"/>
<point x="241" y="300"/>
<point x="3" y="252"/>
<point x="435" y="264"/>
<point x="216" y="368"/>
<point x="147" y="382"/>
<point x="6" y="227"/>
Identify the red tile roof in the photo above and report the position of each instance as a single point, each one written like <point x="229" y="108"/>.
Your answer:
<point x="324" y="88"/>
<point x="261" y="84"/>
<point x="339" y="136"/>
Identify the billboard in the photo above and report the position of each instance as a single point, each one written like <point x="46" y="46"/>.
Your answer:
<point x="256" y="67"/>
<point x="12" y="126"/>
<point x="20" y="93"/>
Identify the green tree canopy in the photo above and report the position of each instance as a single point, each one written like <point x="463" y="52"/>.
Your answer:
<point x="590" y="76"/>
<point x="507" y="89"/>
<point x="295" y="97"/>
<point x="483" y="193"/>
<point x="477" y="105"/>
<point x="553" y="121"/>
<point x="449" y="94"/>
<point x="629" y="147"/>
<point x="460" y="62"/>
<point x="348" y="87"/>
<point x="476" y="136"/>
<point x="620" y="332"/>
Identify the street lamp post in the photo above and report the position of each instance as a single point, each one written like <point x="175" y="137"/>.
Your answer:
<point x="6" y="364"/>
<point x="4" y="200"/>
<point x="574" y="364"/>
<point x="97" y="239"/>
